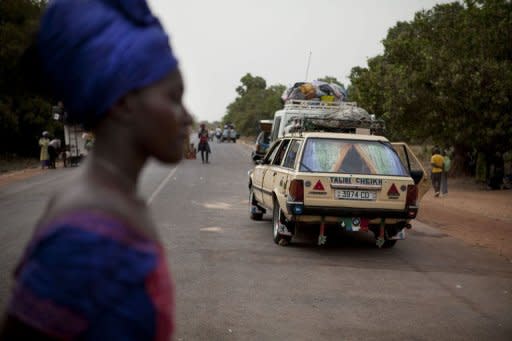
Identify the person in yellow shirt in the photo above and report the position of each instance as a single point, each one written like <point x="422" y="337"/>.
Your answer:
<point x="436" y="161"/>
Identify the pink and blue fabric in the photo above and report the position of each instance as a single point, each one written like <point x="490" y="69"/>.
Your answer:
<point x="91" y="276"/>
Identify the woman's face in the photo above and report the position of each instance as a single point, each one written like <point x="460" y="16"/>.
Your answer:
<point x="163" y="122"/>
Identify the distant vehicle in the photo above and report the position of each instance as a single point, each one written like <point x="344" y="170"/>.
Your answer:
<point x="337" y="181"/>
<point x="262" y="141"/>
<point x="229" y="134"/>
<point x="218" y="134"/>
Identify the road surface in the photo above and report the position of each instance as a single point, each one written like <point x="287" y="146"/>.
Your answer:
<point x="234" y="283"/>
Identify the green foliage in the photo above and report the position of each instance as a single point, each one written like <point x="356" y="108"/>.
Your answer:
<point x="255" y="101"/>
<point x="24" y="113"/>
<point x="446" y="76"/>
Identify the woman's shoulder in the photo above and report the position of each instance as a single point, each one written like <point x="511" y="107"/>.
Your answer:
<point x="90" y="228"/>
<point x="83" y="262"/>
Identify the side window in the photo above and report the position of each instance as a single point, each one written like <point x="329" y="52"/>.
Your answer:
<point x="402" y="153"/>
<point x="272" y="153"/>
<point x="275" y="128"/>
<point x="289" y="161"/>
<point x="280" y="154"/>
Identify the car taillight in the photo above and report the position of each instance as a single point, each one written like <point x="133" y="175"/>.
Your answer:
<point x="296" y="191"/>
<point x="412" y="195"/>
<point x="411" y="201"/>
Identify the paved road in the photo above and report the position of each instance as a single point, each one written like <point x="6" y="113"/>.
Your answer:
<point x="234" y="283"/>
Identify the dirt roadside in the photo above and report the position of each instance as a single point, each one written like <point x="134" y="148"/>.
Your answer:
<point x="469" y="212"/>
<point x="19" y="175"/>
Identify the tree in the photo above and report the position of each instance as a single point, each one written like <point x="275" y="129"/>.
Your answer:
<point x="446" y="77"/>
<point x="25" y="111"/>
<point x="255" y="101"/>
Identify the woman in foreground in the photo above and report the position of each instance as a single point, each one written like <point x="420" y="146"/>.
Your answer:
<point x="95" y="268"/>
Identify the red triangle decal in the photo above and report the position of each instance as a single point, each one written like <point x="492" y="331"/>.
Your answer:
<point x="319" y="186"/>
<point x="393" y="191"/>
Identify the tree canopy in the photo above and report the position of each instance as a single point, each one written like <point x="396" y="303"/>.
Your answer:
<point x="445" y="76"/>
<point x="255" y="101"/>
<point x="24" y="110"/>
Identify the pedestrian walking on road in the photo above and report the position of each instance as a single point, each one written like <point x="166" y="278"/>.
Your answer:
<point x="436" y="161"/>
<point x="203" y="146"/>
<point x="95" y="268"/>
<point x="44" y="156"/>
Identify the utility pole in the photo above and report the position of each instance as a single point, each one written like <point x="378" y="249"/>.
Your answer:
<point x="307" y="67"/>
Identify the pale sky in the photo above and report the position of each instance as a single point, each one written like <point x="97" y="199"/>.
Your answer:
<point x="218" y="42"/>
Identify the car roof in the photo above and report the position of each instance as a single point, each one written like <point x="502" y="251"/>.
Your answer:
<point x="362" y="137"/>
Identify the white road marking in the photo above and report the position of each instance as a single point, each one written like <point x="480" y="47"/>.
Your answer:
<point x="218" y="205"/>
<point x="211" y="229"/>
<point x="162" y="185"/>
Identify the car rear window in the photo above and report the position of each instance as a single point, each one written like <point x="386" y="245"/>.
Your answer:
<point x="351" y="157"/>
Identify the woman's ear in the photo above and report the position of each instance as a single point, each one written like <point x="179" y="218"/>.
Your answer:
<point x="125" y="108"/>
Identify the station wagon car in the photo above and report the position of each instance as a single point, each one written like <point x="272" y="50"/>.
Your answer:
<point x="337" y="181"/>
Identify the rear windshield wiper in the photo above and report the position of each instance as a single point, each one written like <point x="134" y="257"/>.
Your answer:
<point x="307" y="168"/>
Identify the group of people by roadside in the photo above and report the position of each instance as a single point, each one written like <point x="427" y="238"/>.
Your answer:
<point x="494" y="170"/>
<point x="441" y="165"/>
<point x="50" y="149"/>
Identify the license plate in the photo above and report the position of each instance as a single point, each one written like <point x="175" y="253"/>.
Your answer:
<point x="347" y="194"/>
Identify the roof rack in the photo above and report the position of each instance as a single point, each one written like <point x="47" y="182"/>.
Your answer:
<point x="315" y="105"/>
<point x="337" y="125"/>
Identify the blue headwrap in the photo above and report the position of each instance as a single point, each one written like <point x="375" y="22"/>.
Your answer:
<point x="96" y="51"/>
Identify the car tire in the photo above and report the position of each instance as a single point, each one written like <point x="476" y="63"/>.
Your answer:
<point x="252" y="201"/>
<point x="276" y="221"/>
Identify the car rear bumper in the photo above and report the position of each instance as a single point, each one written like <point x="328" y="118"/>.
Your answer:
<point x="369" y="213"/>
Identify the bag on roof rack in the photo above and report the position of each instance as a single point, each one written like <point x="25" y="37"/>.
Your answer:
<point x="316" y="90"/>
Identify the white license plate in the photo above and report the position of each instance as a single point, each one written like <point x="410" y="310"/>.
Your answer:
<point x="347" y="194"/>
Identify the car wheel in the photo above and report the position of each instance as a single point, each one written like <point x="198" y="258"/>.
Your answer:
<point x="277" y="222"/>
<point x="253" y="202"/>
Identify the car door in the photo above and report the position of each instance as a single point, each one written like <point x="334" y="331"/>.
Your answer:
<point x="260" y="171"/>
<point x="414" y="166"/>
<point x="274" y="174"/>
<point x="289" y="165"/>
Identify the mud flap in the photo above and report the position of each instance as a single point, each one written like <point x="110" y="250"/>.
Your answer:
<point x="380" y="239"/>
<point x="322" y="238"/>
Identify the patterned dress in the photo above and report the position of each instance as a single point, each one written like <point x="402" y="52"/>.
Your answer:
<point x="89" y="275"/>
